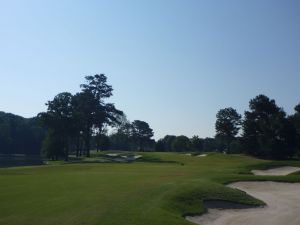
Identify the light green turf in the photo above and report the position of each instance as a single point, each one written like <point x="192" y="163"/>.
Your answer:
<point x="140" y="193"/>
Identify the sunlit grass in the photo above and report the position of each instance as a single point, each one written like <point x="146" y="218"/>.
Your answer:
<point x="157" y="190"/>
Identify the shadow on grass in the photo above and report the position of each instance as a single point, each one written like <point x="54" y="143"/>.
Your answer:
<point x="154" y="159"/>
<point x="222" y="204"/>
<point x="104" y="159"/>
<point x="20" y="160"/>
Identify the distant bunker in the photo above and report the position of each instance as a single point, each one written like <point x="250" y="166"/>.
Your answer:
<point x="123" y="158"/>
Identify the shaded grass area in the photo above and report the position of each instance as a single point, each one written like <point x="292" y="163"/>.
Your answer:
<point x="103" y="157"/>
<point x="19" y="160"/>
<point x="159" y="189"/>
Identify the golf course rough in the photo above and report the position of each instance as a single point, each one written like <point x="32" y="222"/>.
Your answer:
<point x="158" y="192"/>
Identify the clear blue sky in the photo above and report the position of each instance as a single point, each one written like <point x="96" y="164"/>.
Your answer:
<point x="172" y="63"/>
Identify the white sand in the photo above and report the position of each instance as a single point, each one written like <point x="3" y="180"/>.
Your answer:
<point x="138" y="156"/>
<point x="203" y="155"/>
<point x="112" y="155"/>
<point x="135" y="157"/>
<point x="283" y="206"/>
<point x="281" y="171"/>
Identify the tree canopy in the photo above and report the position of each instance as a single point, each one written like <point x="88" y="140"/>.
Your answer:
<point x="73" y="119"/>
<point x="266" y="130"/>
<point x="59" y="120"/>
<point x="19" y="135"/>
<point x="227" y="126"/>
<point x="181" y="144"/>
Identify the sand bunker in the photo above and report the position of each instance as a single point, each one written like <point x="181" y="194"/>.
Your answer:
<point x="112" y="155"/>
<point x="203" y="155"/>
<point x="283" y="206"/>
<point x="281" y="171"/>
<point x="123" y="158"/>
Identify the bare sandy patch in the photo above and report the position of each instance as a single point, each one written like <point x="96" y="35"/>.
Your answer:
<point x="283" y="206"/>
<point x="281" y="171"/>
<point x="203" y="155"/>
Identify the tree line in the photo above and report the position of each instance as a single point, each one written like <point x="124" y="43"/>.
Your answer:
<point x="264" y="131"/>
<point x="75" y="124"/>
<point x="172" y="143"/>
<point x="19" y="135"/>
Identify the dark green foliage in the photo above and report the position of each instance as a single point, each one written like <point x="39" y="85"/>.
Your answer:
<point x="160" y="146"/>
<point x="87" y="113"/>
<point x="168" y="140"/>
<point x="295" y="120"/>
<point x="91" y="108"/>
<point x="227" y="126"/>
<point x="165" y="144"/>
<point x="135" y="136"/>
<point x="72" y="120"/>
<point x="141" y="134"/>
<point x="210" y="145"/>
<point x="102" y="142"/>
<point x="197" y="144"/>
<point x="59" y="120"/>
<point x="171" y="143"/>
<point x="236" y="146"/>
<point x="97" y="86"/>
<point x="181" y="144"/>
<point x="54" y="146"/>
<point x="266" y="130"/>
<point x="120" y="141"/>
<point x="19" y="135"/>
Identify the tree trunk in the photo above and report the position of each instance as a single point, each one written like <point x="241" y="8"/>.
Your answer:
<point x="87" y="147"/>
<point x="87" y="143"/>
<point x="67" y="154"/>
<point x="77" y="146"/>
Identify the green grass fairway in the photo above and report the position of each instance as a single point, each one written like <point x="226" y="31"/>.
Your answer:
<point x="140" y="193"/>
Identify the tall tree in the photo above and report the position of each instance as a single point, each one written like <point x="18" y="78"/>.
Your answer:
<point x="86" y="113"/>
<point x="266" y="130"/>
<point x="141" y="133"/>
<point x="59" y="120"/>
<point x="92" y="108"/>
<point x="227" y="126"/>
